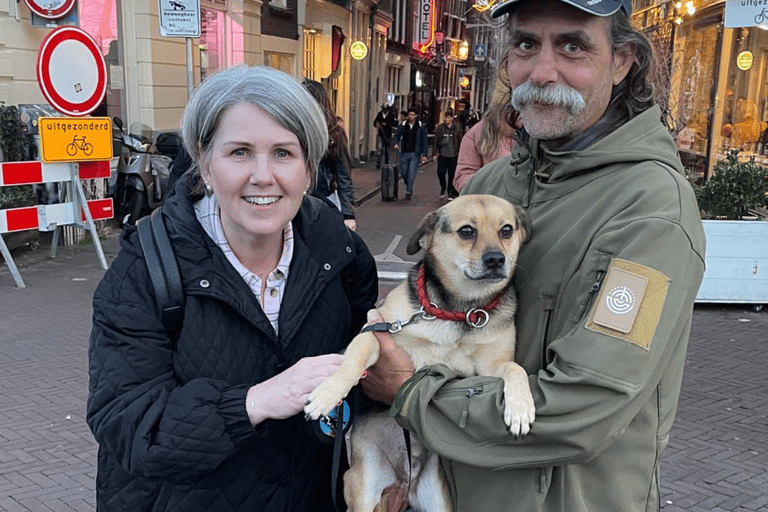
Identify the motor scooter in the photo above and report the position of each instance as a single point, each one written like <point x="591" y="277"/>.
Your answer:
<point x="140" y="174"/>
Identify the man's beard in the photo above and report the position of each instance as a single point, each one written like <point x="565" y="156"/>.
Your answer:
<point x="537" y="105"/>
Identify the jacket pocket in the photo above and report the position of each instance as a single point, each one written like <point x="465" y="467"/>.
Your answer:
<point x="475" y="405"/>
<point x="545" y="479"/>
<point x="599" y="272"/>
<point x="467" y="393"/>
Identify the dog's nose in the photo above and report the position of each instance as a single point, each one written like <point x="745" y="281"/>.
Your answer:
<point x="493" y="259"/>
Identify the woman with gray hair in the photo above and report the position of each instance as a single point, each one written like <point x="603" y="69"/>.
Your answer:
<point x="209" y="416"/>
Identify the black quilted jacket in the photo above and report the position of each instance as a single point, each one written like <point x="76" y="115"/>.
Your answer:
<point x="169" y="416"/>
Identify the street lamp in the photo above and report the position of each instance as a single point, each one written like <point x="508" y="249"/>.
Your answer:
<point x="464" y="50"/>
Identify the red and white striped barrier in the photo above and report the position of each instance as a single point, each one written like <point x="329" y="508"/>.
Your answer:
<point x="47" y="217"/>
<point x="31" y="173"/>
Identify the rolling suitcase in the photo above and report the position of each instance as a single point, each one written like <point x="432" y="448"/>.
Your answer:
<point x="390" y="175"/>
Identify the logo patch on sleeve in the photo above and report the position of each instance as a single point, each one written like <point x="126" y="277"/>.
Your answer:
<point x="630" y="303"/>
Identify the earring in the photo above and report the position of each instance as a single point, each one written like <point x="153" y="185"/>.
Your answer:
<point x="208" y="189"/>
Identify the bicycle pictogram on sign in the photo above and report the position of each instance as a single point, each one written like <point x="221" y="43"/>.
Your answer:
<point x="79" y="144"/>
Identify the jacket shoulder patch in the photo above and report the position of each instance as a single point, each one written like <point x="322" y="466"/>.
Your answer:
<point x="630" y="303"/>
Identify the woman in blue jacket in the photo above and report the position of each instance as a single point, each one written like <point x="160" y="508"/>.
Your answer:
<point x="210" y="418"/>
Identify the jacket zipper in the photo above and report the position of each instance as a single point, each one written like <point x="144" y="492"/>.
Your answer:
<point x="549" y="306"/>
<point x="592" y="291"/>
<point x="468" y="393"/>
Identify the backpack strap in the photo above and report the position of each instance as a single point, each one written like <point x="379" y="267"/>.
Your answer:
<point x="163" y="270"/>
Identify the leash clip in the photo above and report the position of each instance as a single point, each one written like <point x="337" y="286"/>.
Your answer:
<point x="477" y="318"/>
<point x="421" y="314"/>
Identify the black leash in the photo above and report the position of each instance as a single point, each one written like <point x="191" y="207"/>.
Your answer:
<point x="338" y="432"/>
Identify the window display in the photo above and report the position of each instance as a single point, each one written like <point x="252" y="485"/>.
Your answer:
<point x="720" y="94"/>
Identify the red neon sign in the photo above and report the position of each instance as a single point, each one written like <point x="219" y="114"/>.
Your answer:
<point x="426" y="27"/>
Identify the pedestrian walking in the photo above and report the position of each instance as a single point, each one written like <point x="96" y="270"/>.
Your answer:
<point x="334" y="180"/>
<point x="384" y="123"/>
<point x="411" y="140"/>
<point x="208" y="415"/>
<point x="446" y="149"/>
<point x="464" y="115"/>
<point x="606" y="284"/>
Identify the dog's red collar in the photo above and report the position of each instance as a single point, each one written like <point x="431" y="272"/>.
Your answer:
<point x="476" y="317"/>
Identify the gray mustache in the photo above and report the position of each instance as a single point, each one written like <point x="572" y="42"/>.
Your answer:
<point x="557" y="94"/>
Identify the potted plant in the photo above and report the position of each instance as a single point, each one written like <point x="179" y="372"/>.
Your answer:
<point x="737" y="248"/>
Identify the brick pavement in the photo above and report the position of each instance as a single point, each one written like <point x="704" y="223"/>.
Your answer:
<point x="715" y="462"/>
<point x="718" y="453"/>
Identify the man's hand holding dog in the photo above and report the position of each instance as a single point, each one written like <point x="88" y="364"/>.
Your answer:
<point x="394" y="367"/>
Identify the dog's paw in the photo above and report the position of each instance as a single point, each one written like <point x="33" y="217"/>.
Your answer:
<point x="519" y="413"/>
<point x="323" y="399"/>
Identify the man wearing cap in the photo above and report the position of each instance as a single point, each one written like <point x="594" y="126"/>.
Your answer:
<point x="605" y="286"/>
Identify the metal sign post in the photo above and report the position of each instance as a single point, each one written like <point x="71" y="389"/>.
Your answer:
<point x="181" y="18"/>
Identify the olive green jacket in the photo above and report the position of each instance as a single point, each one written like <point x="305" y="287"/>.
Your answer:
<point x="606" y="289"/>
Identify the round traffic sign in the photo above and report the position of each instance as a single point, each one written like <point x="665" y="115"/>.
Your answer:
<point x="50" y="9"/>
<point x="71" y="71"/>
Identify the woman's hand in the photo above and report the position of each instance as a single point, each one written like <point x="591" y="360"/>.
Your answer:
<point x="284" y="395"/>
<point x="394" y="367"/>
<point x="351" y="224"/>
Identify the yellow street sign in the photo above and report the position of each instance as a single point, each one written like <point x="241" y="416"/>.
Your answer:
<point x="358" y="50"/>
<point x="75" y="139"/>
<point x="744" y="60"/>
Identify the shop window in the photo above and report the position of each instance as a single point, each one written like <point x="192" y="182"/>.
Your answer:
<point x="744" y="113"/>
<point x="211" y="42"/>
<point x="311" y="51"/>
<point x="281" y="61"/>
<point x="99" y="19"/>
<point x="690" y="94"/>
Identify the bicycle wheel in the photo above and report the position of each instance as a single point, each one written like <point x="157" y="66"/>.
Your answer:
<point x="87" y="148"/>
<point x="71" y="149"/>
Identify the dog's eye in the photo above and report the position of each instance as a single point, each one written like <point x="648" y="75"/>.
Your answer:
<point x="506" y="231"/>
<point x="466" y="232"/>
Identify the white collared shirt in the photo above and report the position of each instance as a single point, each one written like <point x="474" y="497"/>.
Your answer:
<point x="207" y="212"/>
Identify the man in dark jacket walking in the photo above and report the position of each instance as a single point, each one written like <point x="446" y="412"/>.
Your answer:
<point x="446" y="152"/>
<point x="411" y="140"/>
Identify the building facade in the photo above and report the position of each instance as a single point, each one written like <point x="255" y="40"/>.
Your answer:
<point x="713" y="76"/>
<point x="149" y="77"/>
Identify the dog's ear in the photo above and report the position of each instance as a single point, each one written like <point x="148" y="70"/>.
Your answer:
<point x="524" y="223"/>
<point x="426" y="228"/>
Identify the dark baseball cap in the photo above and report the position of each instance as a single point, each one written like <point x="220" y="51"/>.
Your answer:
<point x="596" y="7"/>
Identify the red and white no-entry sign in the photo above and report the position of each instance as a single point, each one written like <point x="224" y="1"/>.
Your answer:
<point x="71" y="71"/>
<point x="50" y="9"/>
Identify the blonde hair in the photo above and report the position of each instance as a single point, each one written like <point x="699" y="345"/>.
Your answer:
<point x="500" y="120"/>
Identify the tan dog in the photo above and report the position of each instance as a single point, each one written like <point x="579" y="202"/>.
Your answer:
<point x="471" y="245"/>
